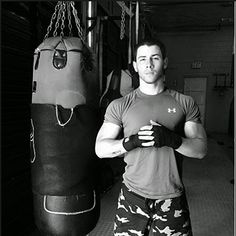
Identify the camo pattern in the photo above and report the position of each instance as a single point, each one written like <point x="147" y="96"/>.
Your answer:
<point x="136" y="216"/>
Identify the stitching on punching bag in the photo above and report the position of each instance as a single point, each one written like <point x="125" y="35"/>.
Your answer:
<point x="32" y="142"/>
<point x="58" y="120"/>
<point x="60" y="56"/>
<point x="69" y="213"/>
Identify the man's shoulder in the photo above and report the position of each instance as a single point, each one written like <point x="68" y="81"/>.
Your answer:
<point x="180" y="96"/>
<point x="122" y="103"/>
<point x="131" y="95"/>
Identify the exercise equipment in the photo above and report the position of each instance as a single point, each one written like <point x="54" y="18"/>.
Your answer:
<point x="63" y="132"/>
<point x="120" y="81"/>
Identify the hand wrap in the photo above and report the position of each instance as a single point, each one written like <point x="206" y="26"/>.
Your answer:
<point x="165" y="137"/>
<point x="132" y="142"/>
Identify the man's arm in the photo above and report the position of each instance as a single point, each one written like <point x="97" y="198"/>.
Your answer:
<point x="107" y="145"/>
<point x="195" y="143"/>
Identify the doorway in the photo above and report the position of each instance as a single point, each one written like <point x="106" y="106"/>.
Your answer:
<point x="196" y="88"/>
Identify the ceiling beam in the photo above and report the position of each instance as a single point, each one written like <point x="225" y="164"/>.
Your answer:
<point x="178" y="2"/>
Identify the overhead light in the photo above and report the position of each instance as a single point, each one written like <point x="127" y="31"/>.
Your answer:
<point x="89" y="23"/>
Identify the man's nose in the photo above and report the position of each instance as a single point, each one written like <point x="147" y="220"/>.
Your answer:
<point x="149" y="63"/>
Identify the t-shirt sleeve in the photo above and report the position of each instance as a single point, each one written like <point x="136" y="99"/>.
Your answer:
<point x="113" y="113"/>
<point x="192" y="111"/>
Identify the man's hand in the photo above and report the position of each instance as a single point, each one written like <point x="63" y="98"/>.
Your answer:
<point x="152" y="135"/>
<point x="141" y="139"/>
<point x="162" y="136"/>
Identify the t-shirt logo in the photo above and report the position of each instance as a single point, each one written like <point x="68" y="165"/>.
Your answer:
<point x="171" y="110"/>
<point x="126" y="139"/>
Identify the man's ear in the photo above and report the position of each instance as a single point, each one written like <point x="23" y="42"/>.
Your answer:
<point x="135" y="66"/>
<point x="165" y="64"/>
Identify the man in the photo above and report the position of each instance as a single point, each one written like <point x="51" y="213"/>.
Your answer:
<point x="159" y="124"/>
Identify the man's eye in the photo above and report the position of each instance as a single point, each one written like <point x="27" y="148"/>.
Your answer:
<point x="155" y="58"/>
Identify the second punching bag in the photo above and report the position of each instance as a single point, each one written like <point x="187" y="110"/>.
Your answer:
<point x="64" y="129"/>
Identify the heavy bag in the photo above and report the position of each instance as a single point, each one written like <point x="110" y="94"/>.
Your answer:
<point x="63" y="156"/>
<point x="112" y="89"/>
<point x="123" y="80"/>
<point x="66" y="199"/>
<point x="58" y="69"/>
<point x="64" y="128"/>
<point x="66" y="215"/>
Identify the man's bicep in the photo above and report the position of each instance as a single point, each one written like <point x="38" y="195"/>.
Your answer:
<point x="108" y="131"/>
<point x="194" y="130"/>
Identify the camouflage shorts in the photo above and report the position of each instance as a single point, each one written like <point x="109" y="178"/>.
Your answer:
<point x="136" y="216"/>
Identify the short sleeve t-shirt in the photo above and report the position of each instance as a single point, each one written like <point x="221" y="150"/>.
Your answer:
<point x="152" y="172"/>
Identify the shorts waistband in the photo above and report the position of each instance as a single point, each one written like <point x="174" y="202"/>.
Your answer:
<point x="147" y="204"/>
<point x="132" y="192"/>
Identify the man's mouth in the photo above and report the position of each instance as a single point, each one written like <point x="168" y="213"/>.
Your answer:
<point x="149" y="72"/>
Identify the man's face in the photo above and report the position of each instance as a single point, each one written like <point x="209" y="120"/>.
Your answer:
<point x="149" y="63"/>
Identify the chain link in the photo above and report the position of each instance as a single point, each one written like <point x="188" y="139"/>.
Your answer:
<point x="52" y="19"/>
<point x="60" y="14"/>
<point x="122" y="24"/>
<point x="69" y="18"/>
<point x="58" y="19"/>
<point x="77" y="22"/>
<point x="63" y="19"/>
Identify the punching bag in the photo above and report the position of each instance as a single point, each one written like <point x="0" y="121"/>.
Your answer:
<point x="64" y="129"/>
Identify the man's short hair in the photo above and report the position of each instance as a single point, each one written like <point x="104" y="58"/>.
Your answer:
<point x="151" y="42"/>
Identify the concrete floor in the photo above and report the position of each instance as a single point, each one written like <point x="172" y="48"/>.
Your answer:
<point x="209" y="191"/>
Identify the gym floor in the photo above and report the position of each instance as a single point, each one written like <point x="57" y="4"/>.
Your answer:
<point x="209" y="185"/>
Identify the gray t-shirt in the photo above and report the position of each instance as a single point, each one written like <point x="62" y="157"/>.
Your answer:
<point x="152" y="172"/>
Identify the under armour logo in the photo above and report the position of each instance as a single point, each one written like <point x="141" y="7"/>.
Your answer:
<point x="172" y="110"/>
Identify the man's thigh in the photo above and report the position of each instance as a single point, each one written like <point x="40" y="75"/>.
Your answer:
<point x="172" y="217"/>
<point x="130" y="219"/>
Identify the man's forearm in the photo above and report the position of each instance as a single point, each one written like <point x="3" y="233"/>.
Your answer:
<point x="109" y="148"/>
<point x="193" y="147"/>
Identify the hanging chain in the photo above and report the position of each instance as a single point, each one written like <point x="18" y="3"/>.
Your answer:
<point x="63" y="19"/>
<point x="69" y="18"/>
<point x="77" y="22"/>
<point x="122" y="24"/>
<point x="57" y="22"/>
<point x="60" y="14"/>
<point x="52" y="19"/>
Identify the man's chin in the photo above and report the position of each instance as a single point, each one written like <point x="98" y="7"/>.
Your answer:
<point x="151" y="80"/>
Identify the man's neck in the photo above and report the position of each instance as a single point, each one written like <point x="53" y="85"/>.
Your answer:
<point x="152" y="89"/>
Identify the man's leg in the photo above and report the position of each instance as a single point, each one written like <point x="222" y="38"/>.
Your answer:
<point x="131" y="218"/>
<point x="172" y="217"/>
